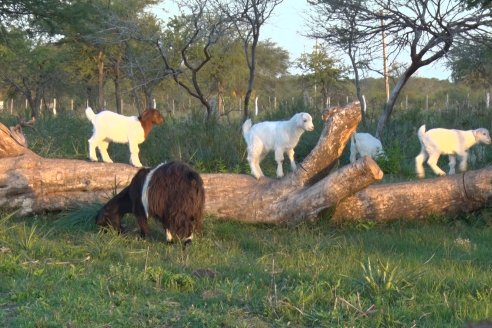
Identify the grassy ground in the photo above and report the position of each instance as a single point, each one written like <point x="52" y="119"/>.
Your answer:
<point x="58" y="270"/>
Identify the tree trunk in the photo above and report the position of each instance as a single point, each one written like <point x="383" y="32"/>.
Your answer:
<point x="117" y="83"/>
<point x="449" y="195"/>
<point x="358" y="88"/>
<point x="390" y="103"/>
<point x="100" y="79"/>
<point x="34" y="184"/>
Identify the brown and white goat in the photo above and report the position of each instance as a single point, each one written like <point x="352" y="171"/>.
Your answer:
<point x="114" y="127"/>
<point x="172" y="193"/>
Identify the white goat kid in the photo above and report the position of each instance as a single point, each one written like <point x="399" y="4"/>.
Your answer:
<point x="113" y="127"/>
<point x="447" y="142"/>
<point x="364" y="144"/>
<point x="280" y="136"/>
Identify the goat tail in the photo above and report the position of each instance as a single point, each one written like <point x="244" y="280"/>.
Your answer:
<point x="246" y="126"/>
<point x="421" y="132"/>
<point x="90" y="114"/>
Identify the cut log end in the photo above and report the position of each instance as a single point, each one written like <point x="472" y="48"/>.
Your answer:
<point x="373" y="168"/>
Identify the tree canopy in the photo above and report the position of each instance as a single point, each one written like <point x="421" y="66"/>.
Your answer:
<point x="471" y="63"/>
<point x="421" y="31"/>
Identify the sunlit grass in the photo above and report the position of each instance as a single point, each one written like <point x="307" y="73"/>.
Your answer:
<point x="319" y="274"/>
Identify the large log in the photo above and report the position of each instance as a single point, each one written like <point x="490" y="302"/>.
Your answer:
<point x="33" y="184"/>
<point x="448" y="195"/>
<point x="243" y="198"/>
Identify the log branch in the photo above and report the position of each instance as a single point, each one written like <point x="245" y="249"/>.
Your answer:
<point x="12" y="142"/>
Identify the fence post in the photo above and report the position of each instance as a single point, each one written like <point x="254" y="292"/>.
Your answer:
<point x="364" y="105"/>
<point x="256" y="106"/>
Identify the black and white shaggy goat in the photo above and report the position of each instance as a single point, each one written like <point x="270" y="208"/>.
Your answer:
<point x="172" y="193"/>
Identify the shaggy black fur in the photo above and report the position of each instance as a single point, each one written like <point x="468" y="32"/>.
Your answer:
<point x="176" y="197"/>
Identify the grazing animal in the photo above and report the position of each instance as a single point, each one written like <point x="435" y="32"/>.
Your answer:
<point x="364" y="144"/>
<point x="280" y="136"/>
<point x="172" y="193"/>
<point x="447" y="142"/>
<point x="114" y="127"/>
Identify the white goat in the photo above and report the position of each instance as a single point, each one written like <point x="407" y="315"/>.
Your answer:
<point x="280" y="136"/>
<point x="448" y="142"/>
<point x="364" y="144"/>
<point x="113" y="127"/>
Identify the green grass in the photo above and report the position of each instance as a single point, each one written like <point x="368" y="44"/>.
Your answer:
<point x="424" y="274"/>
<point x="59" y="270"/>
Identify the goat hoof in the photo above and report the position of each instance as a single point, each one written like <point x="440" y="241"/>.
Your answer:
<point x="186" y="244"/>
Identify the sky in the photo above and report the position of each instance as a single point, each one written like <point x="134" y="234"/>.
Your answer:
<point x="286" y="28"/>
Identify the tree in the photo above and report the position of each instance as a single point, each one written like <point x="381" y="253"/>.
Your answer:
<point x="228" y="71"/>
<point x="142" y="62"/>
<point x="31" y="15"/>
<point x="471" y="63"/>
<point x="337" y="25"/>
<point x="186" y="47"/>
<point x="30" y="67"/>
<point x="248" y="17"/>
<point x="102" y="37"/>
<point x="321" y="71"/>
<point x="483" y="3"/>
<point x="426" y="30"/>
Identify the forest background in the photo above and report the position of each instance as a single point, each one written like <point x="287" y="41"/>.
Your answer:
<point x="209" y="58"/>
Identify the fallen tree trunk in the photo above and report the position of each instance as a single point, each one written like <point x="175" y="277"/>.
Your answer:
<point x="449" y="195"/>
<point x="34" y="184"/>
<point x="273" y="201"/>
